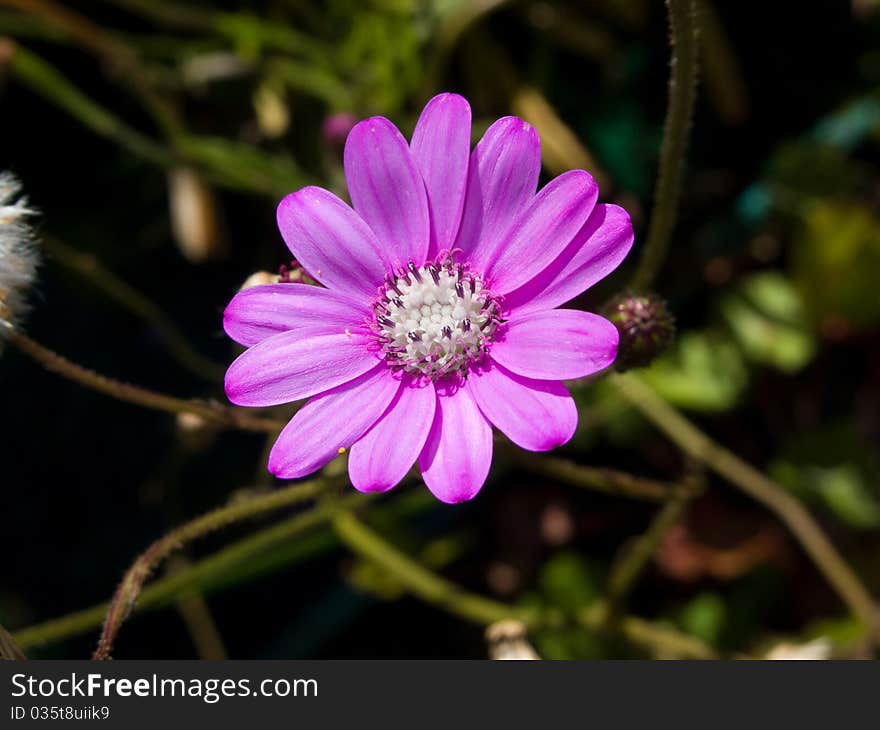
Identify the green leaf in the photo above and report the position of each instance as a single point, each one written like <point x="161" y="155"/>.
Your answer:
<point x="703" y="372"/>
<point x="767" y="317"/>
<point x="704" y="617"/>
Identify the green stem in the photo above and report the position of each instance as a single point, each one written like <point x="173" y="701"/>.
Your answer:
<point x="204" y="575"/>
<point x="418" y="579"/>
<point x="725" y="463"/>
<point x="129" y="589"/>
<point x="683" y="36"/>
<point x="626" y="572"/>
<point x="609" y="481"/>
<point x="57" y="90"/>
<point x="442" y="593"/>
<point x="211" y="412"/>
<point x="114" y="53"/>
<point x="138" y="304"/>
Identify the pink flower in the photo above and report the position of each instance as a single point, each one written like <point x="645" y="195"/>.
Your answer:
<point x="439" y="316"/>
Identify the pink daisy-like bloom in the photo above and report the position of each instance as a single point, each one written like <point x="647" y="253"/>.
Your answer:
<point x="438" y="317"/>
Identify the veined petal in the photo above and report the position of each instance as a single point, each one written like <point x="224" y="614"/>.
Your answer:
<point x="441" y="146"/>
<point x="537" y="415"/>
<point x="286" y="367"/>
<point x="330" y="421"/>
<point x="595" y="252"/>
<point x="262" y="311"/>
<point x="502" y="179"/>
<point x="387" y="190"/>
<point x="332" y="242"/>
<point x="382" y="457"/>
<point x="458" y="452"/>
<point x="559" y="344"/>
<point x="542" y="231"/>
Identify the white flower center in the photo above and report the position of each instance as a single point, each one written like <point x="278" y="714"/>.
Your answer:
<point x="435" y="320"/>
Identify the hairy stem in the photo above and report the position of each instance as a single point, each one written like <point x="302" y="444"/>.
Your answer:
<point x="212" y="412"/>
<point x="129" y="589"/>
<point x="205" y="575"/>
<point x="725" y="463"/>
<point x="679" y="115"/>
<point x="609" y="481"/>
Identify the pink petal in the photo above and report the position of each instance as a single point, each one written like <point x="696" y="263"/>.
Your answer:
<point x="441" y="146"/>
<point x="330" y="421"/>
<point x="542" y="231"/>
<point x="502" y="179"/>
<point x="457" y="455"/>
<point x="383" y="456"/>
<point x="537" y="415"/>
<point x="559" y="344"/>
<point x="262" y="311"/>
<point x="286" y="367"/>
<point x="595" y="252"/>
<point x="332" y="242"/>
<point x="387" y="190"/>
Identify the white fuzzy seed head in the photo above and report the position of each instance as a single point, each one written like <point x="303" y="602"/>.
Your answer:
<point x="18" y="253"/>
<point x="435" y="320"/>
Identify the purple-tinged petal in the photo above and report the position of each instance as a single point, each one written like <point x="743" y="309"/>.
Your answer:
<point x="331" y="421"/>
<point x="286" y="367"/>
<point x="262" y="311"/>
<point x="502" y="179"/>
<point x="458" y="453"/>
<point x="382" y="457"/>
<point x="387" y="190"/>
<point x="542" y="231"/>
<point x="537" y="415"/>
<point x="441" y="146"/>
<point x="559" y="344"/>
<point x="595" y="252"/>
<point x="332" y="242"/>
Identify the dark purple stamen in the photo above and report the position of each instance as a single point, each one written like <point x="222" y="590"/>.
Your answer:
<point x="393" y="284"/>
<point x="459" y="289"/>
<point x="435" y="275"/>
<point x="414" y="271"/>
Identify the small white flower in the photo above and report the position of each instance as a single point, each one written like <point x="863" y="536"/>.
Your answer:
<point x="18" y="252"/>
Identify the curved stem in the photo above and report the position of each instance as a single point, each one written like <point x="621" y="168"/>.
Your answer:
<point x="679" y="115"/>
<point x="627" y="570"/>
<point x="419" y="580"/>
<point x="440" y="592"/>
<point x="609" y="481"/>
<point x="203" y="575"/>
<point x="129" y="589"/>
<point x="725" y="463"/>
<point x="138" y="304"/>
<point x="212" y="412"/>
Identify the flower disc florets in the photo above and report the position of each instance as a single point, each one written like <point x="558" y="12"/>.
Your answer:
<point x="436" y="319"/>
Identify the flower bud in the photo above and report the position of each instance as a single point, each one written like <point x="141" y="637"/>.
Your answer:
<point x="646" y="328"/>
<point x="335" y="129"/>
